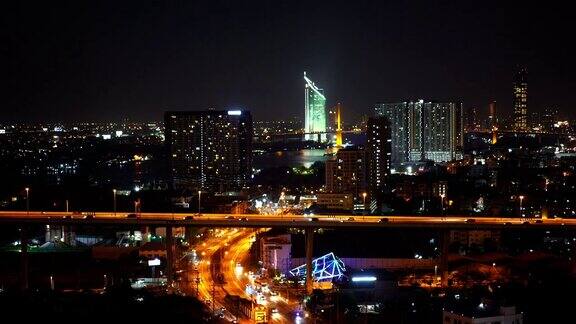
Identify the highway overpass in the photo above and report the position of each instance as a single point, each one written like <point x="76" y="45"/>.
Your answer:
<point x="298" y="221"/>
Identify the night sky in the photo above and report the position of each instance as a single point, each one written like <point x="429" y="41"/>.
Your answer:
<point x="107" y="60"/>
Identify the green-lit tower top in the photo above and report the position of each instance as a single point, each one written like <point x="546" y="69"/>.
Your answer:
<point x="315" y="112"/>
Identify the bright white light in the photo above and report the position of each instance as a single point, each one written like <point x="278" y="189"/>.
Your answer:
<point x="136" y="188"/>
<point x="364" y="279"/>
<point x="154" y="262"/>
<point x="234" y="112"/>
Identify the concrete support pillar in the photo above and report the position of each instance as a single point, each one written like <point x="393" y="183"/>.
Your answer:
<point x="444" y="246"/>
<point x="169" y="257"/>
<point x="309" y="255"/>
<point x="24" y="258"/>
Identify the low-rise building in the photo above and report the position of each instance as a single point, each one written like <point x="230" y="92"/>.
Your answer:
<point x="275" y="252"/>
<point x="502" y="315"/>
<point x="339" y="201"/>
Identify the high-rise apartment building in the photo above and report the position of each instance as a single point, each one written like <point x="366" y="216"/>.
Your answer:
<point x="378" y="153"/>
<point x="520" y="122"/>
<point x="492" y="122"/>
<point x="314" y="112"/>
<point x="346" y="172"/>
<point x="423" y="130"/>
<point x="209" y="150"/>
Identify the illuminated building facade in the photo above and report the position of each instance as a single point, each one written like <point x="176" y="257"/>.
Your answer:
<point x="314" y="111"/>
<point x="209" y="150"/>
<point x="346" y="173"/>
<point x="423" y="130"/>
<point x="520" y="122"/>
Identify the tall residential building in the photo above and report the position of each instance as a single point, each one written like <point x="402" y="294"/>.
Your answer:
<point x="346" y="172"/>
<point x="209" y="150"/>
<point x="424" y="130"/>
<point x="520" y="122"/>
<point x="492" y="123"/>
<point x="378" y="153"/>
<point x="314" y="112"/>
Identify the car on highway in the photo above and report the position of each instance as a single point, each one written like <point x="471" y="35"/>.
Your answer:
<point x="274" y="310"/>
<point x="526" y="223"/>
<point x="507" y="223"/>
<point x="383" y="220"/>
<point x="470" y="220"/>
<point x="89" y="216"/>
<point x="243" y="219"/>
<point x="189" y="218"/>
<point x="230" y="217"/>
<point x="312" y="219"/>
<point x="350" y="219"/>
<point x="132" y="215"/>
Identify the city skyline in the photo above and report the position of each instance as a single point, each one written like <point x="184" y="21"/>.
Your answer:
<point x="137" y="64"/>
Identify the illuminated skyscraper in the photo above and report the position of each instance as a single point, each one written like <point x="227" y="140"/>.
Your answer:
<point x="209" y="150"/>
<point x="424" y="130"/>
<point x="314" y="111"/>
<point x="520" y="122"/>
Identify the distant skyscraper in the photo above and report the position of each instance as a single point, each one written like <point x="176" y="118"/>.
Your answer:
<point x="209" y="150"/>
<point x="378" y="153"/>
<point x="492" y="123"/>
<point x="548" y="118"/>
<point x="520" y="122"/>
<point x="472" y="120"/>
<point x="346" y="172"/>
<point x="424" y="130"/>
<point x="314" y="111"/>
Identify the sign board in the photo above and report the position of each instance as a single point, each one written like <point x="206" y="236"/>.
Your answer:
<point x="154" y="262"/>
<point x="260" y="314"/>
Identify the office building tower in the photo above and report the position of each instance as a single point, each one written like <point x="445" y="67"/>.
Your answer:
<point x="346" y="172"/>
<point x="314" y="112"/>
<point x="520" y="122"/>
<point x="424" y="130"/>
<point x="378" y="153"/>
<point x="209" y="150"/>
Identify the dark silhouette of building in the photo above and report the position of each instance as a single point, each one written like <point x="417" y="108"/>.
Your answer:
<point x="378" y="154"/>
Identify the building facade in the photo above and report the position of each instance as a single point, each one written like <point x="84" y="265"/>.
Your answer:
<point x="209" y="150"/>
<point x="378" y="152"/>
<point x="314" y="112"/>
<point x="346" y="172"/>
<point x="520" y="122"/>
<point x="423" y="130"/>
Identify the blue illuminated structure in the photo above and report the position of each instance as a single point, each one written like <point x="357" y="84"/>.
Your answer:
<point x="325" y="267"/>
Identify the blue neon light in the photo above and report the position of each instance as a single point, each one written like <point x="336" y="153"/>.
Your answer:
<point x="325" y="267"/>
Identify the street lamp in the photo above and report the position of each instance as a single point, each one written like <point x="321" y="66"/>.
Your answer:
<point x="521" y="198"/>
<point x="27" y="200"/>
<point x="364" y="199"/>
<point x="114" y="192"/>
<point x="199" y="200"/>
<point x="442" y="203"/>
